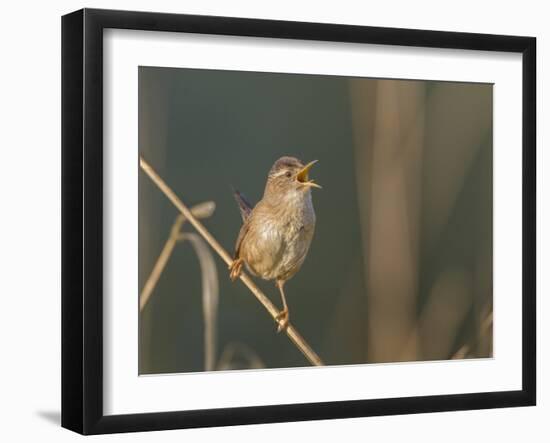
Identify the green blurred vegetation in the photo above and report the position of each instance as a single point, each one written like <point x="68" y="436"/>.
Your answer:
<point x="400" y="267"/>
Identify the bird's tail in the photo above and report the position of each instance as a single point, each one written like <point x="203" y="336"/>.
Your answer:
<point x="244" y="206"/>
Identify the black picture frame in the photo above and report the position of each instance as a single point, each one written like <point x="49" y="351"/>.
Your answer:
<point x="82" y="220"/>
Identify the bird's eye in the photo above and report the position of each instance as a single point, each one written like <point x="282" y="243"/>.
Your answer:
<point x="288" y="174"/>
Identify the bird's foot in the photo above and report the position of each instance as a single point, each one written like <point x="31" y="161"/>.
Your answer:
<point x="282" y="319"/>
<point x="235" y="269"/>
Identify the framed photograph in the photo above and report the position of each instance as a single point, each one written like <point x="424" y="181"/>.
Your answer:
<point x="269" y="221"/>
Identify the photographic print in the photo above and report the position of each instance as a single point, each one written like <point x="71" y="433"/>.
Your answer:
<point x="360" y="207"/>
<point x="292" y="205"/>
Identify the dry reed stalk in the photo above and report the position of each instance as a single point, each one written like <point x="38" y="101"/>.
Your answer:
<point x="209" y="275"/>
<point x="291" y="332"/>
<point x="465" y="350"/>
<point x="202" y="210"/>
<point x="232" y="351"/>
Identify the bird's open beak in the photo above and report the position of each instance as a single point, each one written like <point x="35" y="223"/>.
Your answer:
<point x="303" y="176"/>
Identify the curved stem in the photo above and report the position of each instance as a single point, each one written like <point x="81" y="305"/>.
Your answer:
<point x="202" y="210"/>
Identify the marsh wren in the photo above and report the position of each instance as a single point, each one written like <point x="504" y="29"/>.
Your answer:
<point x="276" y="233"/>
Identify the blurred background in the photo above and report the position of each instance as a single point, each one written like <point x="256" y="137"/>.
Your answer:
<point x="400" y="267"/>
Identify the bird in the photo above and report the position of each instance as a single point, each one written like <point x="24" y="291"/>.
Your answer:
<point x="276" y="233"/>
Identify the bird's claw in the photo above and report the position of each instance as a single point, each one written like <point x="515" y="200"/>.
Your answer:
<point x="282" y="319"/>
<point x="235" y="269"/>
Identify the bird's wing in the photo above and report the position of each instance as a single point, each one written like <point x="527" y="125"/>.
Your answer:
<point x="240" y="238"/>
<point x="244" y="206"/>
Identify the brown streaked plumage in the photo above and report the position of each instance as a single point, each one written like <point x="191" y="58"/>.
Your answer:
<point x="275" y="237"/>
